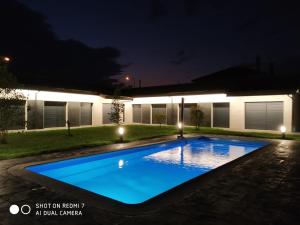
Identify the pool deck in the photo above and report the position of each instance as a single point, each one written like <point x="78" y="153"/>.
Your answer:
<point x="261" y="188"/>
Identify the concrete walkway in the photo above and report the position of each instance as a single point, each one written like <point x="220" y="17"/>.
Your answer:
<point x="263" y="188"/>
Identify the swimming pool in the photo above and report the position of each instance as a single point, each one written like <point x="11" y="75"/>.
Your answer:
<point x="135" y="175"/>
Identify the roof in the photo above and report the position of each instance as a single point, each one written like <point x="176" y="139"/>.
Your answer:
<point x="72" y="90"/>
<point x="54" y="89"/>
<point x="239" y="80"/>
<point x="234" y="81"/>
<point x="169" y="90"/>
<point x="69" y="87"/>
<point x="245" y="79"/>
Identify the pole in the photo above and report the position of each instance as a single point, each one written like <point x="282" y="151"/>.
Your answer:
<point x="181" y="116"/>
<point x="69" y="127"/>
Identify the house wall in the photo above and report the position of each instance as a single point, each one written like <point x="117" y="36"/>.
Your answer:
<point x="237" y="105"/>
<point x="296" y="112"/>
<point x="237" y="109"/>
<point x="33" y="96"/>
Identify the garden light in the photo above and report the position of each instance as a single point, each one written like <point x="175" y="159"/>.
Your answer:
<point x="180" y="128"/>
<point x="121" y="132"/>
<point x="179" y="125"/>
<point x="283" y="131"/>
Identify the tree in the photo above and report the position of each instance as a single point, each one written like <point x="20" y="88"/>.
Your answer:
<point x="117" y="109"/>
<point x="197" y="116"/>
<point x="160" y="118"/>
<point x="43" y="59"/>
<point x="10" y="100"/>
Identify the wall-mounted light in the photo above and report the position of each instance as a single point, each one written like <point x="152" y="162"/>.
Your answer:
<point x="283" y="131"/>
<point x="121" y="131"/>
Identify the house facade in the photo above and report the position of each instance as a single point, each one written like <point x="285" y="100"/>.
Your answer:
<point x="46" y="109"/>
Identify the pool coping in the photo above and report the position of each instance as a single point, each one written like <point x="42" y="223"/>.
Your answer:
<point x="153" y="204"/>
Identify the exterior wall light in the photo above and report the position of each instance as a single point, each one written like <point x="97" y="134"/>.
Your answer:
<point x="121" y="131"/>
<point x="283" y="131"/>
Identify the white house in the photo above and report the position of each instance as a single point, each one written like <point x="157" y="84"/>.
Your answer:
<point x="225" y="103"/>
<point x="51" y="109"/>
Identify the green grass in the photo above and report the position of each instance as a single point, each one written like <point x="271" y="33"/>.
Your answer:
<point x="35" y="143"/>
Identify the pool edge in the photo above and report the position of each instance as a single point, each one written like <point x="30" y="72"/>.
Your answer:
<point x="153" y="204"/>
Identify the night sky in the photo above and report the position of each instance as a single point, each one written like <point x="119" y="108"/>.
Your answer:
<point x="167" y="42"/>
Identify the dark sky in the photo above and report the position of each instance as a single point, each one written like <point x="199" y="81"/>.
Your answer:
<point x="170" y="41"/>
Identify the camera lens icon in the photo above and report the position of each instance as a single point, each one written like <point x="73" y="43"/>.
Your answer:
<point x="25" y="209"/>
<point x="15" y="209"/>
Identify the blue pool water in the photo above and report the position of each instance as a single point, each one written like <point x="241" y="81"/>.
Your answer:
<point x="135" y="175"/>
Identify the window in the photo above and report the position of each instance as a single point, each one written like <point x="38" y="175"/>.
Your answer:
<point x="159" y="113"/>
<point x="54" y="114"/>
<point x="146" y="110"/>
<point x="137" y="113"/>
<point x="106" y="113"/>
<point x="221" y="115"/>
<point x="74" y="113"/>
<point x="86" y="113"/>
<point x="263" y="115"/>
<point x="35" y="113"/>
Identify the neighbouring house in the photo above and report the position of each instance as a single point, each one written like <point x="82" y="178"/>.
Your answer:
<point x="237" y="98"/>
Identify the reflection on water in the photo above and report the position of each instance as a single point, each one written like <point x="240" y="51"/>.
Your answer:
<point x="121" y="163"/>
<point x="205" y="156"/>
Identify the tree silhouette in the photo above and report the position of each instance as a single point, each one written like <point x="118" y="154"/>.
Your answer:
<point x="40" y="58"/>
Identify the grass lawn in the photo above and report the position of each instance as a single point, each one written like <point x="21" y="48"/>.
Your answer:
<point x="34" y="143"/>
<point x="38" y="142"/>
